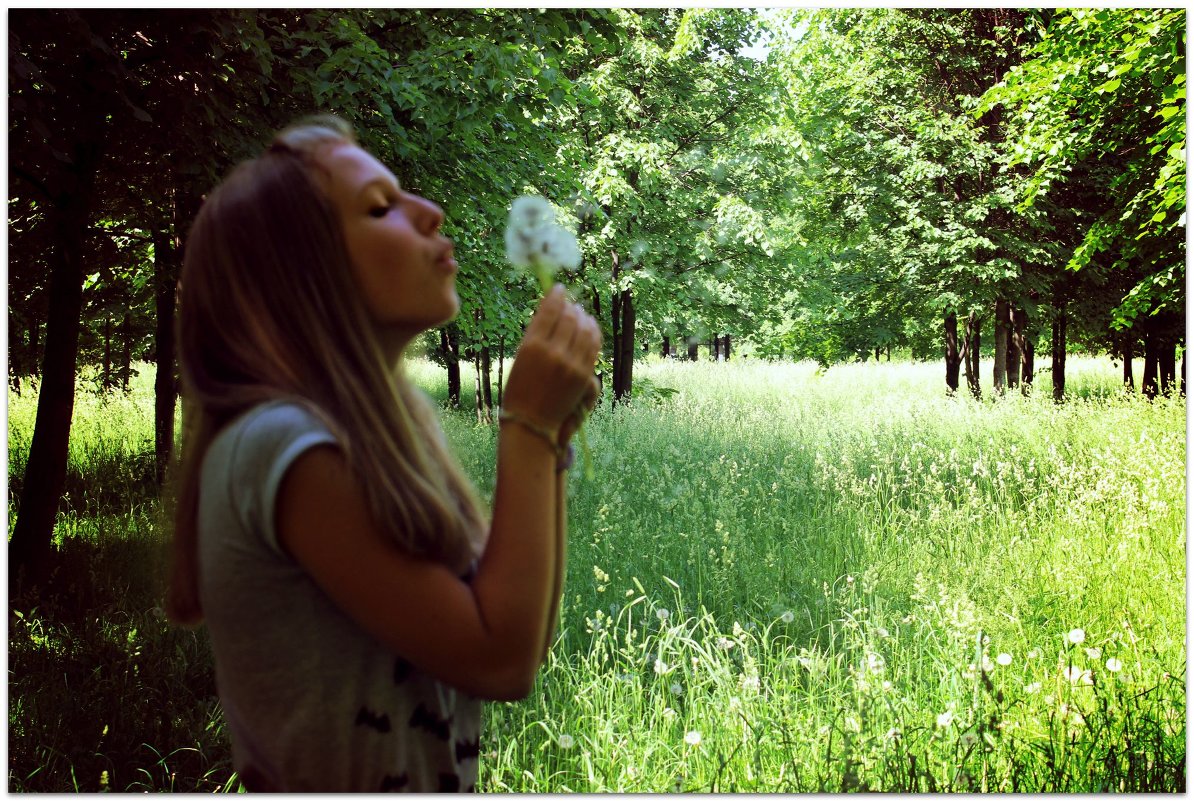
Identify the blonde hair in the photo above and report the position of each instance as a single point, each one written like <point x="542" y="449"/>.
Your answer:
<point x="268" y="308"/>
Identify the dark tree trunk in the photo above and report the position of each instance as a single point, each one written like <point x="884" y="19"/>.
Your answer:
<point x="970" y="359"/>
<point x="1060" y="324"/>
<point x="1128" y="341"/>
<point x="1001" y="345"/>
<point x="666" y="350"/>
<point x="1167" y="364"/>
<point x="716" y="348"/>
<point x="478" y="402"/>
<point x="107" y="379"/>
<point x="692" y="349"/>
<point x="45" y="472"/>
<point x="167" y="249"/>
<point x="1149" y="383"/>
<point x="1023" y="365"/>
<point x="1015" y="345"/>
<point x="624" y="355"/>
<point x="725" y="347"/>
<point x="953" y="358"/>
<point x="487" y="381"/>
<point x="501" y="366"/>
<point x="449" y="343"/>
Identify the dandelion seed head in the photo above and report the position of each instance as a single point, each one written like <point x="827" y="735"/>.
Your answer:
<point x="1094" y="653"/>
<point x="1114" y="665"/>
<point x="693" y="738"/>
<point x="787" y="617"/>
<point x="1076" y="636"/>
<point x="661" y="667"/>
<point x="566" y="741"/>
<point x="945" y="718"/>
<point x="662" y="614"/>
<point x="677" y="689"/>
<point x="669" y="713"/>
<point x="1033" y="689"/>
<point x="969" y="739"/>
<point x="1004" y="659"/>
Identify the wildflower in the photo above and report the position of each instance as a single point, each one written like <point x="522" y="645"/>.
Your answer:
<point x="661" y="667"/>
<point x="735" y="703"/>
<point x="535" y="241"/>
<point x="1094" y="653"/>
<point x="725" y="643"/>
<point x="945" y="718"/>
<point x="969" y="740"/>
<point x="892" y="734"/>
<point x="669" y="713"/>
<point x="1004" y="659"/>
<point x="882" y="632"/>
<point x="852" y="724"/>
<point x="693" y="738"/>
<point x="787" y="617"/>
<point x="1114" y="665"/>
<point x="1077" y="636"/>
<point x="1033" y="689"/>
<point x="1075" y="675"/>
<point x="677" y="689"/>
<point x="663" y="615"/>
<point x="750" y="683"/>
<point x="1035" y="653"/>
<point x="566" y="741"/>
<point x="887" y="686"/>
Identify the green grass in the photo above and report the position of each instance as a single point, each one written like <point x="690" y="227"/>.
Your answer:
<point x="780" y="580"/>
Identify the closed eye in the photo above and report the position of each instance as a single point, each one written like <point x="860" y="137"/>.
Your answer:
<point x="380" y="211"/>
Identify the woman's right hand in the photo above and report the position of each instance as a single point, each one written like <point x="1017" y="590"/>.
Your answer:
<point x="552" y="375"/>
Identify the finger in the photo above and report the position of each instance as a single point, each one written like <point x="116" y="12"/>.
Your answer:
<point x="548" y="313"/>
<point x="566" y="326"/>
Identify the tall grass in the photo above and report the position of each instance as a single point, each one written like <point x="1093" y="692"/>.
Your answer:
<point x="781" y="579"/>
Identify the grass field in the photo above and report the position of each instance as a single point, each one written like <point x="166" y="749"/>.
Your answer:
<point x="779" y="580"/>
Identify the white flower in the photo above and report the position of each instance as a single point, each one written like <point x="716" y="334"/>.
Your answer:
<point x="735" y="703"/>
<point x="969" y="739"/>
<point x="882" y="632"/>
<point x="1034" y="653"/>
<point x="693" y="738"/>
<point x="1094" y="653"/>
<point x="874" y="662"/>
<point x="1114" y="665"/>
<point x="662" y="614"/>
<point x="1077" y="636"/>
<point x="669" y="713"/>
<point x="661" y="667"/>
<point x="533" y="239"/>
<point x="725" y="643"/>
<point x="945" y="718"/>
<point x="1033" y="689"/>
<point x="566" y="741"/>
<point x="750" y="683"/>
<point x="1075" y="675"/>
<point x="677" y="689"/>
<point x="1004" y="659"/>
<point x="787" y="617"/>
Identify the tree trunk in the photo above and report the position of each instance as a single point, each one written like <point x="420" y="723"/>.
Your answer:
<point x="692" y="349"/>
<point x="973" y="341"/>
<point x="107" y="379"/>
<point x="501" y="365"/>
<point x="1060" y="324"/>
<point x="1128" y="341"/>
<point x="725" y="347"/>
<point x="624" y="354"/>
<point x="1015" y="342"/>
<point x="449" y="344"/>
<point x="1022" y="365"/>
<point x="487" y="382"/>
<point x="1001" y="345"/>
<point x="1148" y="383"/>
<point x="666" y="350"/>
<point x="31" y="545"/>
<point x="953" y="359"/>
<point x="1167" y="364"/>
<point x="716" y="348"/>
<point x="167" y="250"/>
<point x="477" y="402"/>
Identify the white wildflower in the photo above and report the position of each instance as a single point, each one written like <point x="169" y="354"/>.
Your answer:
<point x="693" y="738"/>
<point x="661" y="667"/>
<point x="969" y="739"/>
<point x="669" y="713"/>
<point x="663" y="614"/>
<point x="787" y="617"/>
<point x="1114" y="665"/>
<point x="945" y="718"/>
<point x="725" y="643"/>
<point x="1094" y="653"/>
<point x="1076" y="636"/>
<point x="566" y="741"/>
<point x="1004" y="659"/>
<point x="534" y="240"/>
<point x="1033" y="689"/>
<point x="750" y="683"/>
<point x="677" y="689"/>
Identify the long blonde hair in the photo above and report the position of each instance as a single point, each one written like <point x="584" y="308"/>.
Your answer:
<point x="268" y="308"/>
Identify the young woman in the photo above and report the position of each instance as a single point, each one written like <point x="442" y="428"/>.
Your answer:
<point x="359" y="602"/>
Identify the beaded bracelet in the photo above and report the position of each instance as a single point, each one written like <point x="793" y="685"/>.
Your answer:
<point x="564" y="456"/>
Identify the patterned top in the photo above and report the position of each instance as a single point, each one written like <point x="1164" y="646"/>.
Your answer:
<point x="312" y="701"/>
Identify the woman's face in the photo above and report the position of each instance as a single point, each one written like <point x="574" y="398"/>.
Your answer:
<point x="403" y="266"/>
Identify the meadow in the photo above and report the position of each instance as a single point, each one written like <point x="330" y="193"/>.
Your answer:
<point x="780" y="579"/>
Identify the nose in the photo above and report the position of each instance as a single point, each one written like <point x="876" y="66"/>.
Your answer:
<point x="428" y="216"/>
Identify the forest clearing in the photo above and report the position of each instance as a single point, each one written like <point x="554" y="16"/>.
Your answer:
<point x="780" y="579"/>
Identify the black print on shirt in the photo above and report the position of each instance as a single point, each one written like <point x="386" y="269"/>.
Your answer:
<point x="374" y="721"/>
<point x="423" y="719"/>
<point x="467" y="750"/>
<point x="402" y="670"/>
<point x="449" y="783"/>
<point x="391" y="783"/>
